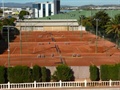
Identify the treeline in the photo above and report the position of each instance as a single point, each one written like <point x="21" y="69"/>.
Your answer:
<point x="23" y="74"/>
<point x="103" y="25"/>
<point x="105" y="73"/>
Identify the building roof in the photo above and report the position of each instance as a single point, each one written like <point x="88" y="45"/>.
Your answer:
<point x="57" y="22"/>
<point x="42" y="2"/>
<point x="77" y="13"/>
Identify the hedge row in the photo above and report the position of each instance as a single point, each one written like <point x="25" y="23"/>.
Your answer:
<point x="107" y="72"/>
<point x="22" y="74"/>
<point x="2" y="74"/>
<point x="94" y="73"/>
<point x="110" y="72"/>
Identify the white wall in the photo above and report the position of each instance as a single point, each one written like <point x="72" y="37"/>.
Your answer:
<point x="36" y="13"/>
<point x="47" y="9"/>
<point x="52" y="10"/>
<point x="80" y="72"/>
<point x="41" y="11"/>
<point x="81" y="28"/>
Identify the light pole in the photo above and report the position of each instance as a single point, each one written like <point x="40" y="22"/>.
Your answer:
<point x="96" y="45"/>
<point x="81" y="25"/>
<point x="3" y="7"/>
<point x="20" y="39"/>
<point x="67" y="21"/>
<point x="8" y="46"/>
<point x="111" y="13"/>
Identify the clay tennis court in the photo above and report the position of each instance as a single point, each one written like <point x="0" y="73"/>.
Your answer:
<point x="50" y="48"/>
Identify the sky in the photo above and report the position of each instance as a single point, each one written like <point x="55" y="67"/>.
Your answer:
<point x="71" y="2"/>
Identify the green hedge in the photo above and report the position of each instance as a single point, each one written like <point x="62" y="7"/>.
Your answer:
<point x="118" y="71"/>
<point x="104" y="72"/>
<point x="94" y="73"/>
<point x="63" y="72"/>
<point x="2" y="74"/>
<point x="110" y="72"/>
<point x="44" y="74"/>
<point x="19" y="74"/>
<point x="36" y="72"/>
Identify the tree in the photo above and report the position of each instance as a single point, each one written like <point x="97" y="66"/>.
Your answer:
<point x="44" y="74"/>
<point x="103" y="18"/>
<point x="94" y="73"/>
<point x="1" y="11"/>
<point x="104" y="72"/>
<point x="110" y="72"/>
<point x="87" y="22"/>
<point x="1" y="24"/>
<point x="113" y="27"/>
<point x="63" y="72"/>
<point x="36" y="73"/>
<point x="8" y="21"/>
<point x="2" y="74"/>
<point x="19" y="74"/>
<point x="22" y="14"/>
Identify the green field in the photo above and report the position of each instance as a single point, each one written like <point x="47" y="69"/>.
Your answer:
<point x="76" y="14"/>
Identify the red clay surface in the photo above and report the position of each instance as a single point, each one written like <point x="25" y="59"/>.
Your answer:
<point x="50" y="48"/>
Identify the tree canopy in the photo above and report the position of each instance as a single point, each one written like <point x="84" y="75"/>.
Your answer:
<point x="103" y="18"/>
<point x="22" y="14"/>
<point x="113" y="28"/>
<point x="1" y="11"/>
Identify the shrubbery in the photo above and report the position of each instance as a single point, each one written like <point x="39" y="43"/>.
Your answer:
<point x="63" y="73"/>
<point x="94" y="73"/>
<point x="19" y="74"/>
<point x="2" y="74"/>
<point x="36" y="72"/>
<point x="22" y="74"/>
<point x="110" y="72"/>
<point x="44" y="74"/>
<point x="107" y="72"/>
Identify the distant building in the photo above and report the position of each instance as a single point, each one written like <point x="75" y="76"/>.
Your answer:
<point x="57" y="6"/>
<point x="46" y="9"/>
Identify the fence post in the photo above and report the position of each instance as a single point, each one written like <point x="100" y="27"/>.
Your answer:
<point x="110" y="83"/>
<point x="60" y="83"/>
<point x="34" y="84"/>
<point x="8" y="85"/>
<point x="85" y="81"/>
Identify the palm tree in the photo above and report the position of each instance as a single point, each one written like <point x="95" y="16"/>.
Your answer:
<point x="113" y="27"/>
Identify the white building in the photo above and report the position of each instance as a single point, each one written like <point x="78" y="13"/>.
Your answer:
<point x="46" y="9"/>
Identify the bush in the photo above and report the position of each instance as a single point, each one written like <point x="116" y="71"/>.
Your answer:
<point x="19" y="74"/>
<point x="48" y="75"/>
<point x="94" y="73"/>
<point x="44" y="74"/>
<point x="104" y="72"/>
<point x="2" y="74"/>
<point x="36" y="73"/>
<point x="63" y="73"/>
<point x="118" y="71"/>
<point x="113" y="72"/>
<point x="109" y="72"/>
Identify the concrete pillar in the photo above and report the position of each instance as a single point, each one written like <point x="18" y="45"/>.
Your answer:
<point x="60" y="83"/>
